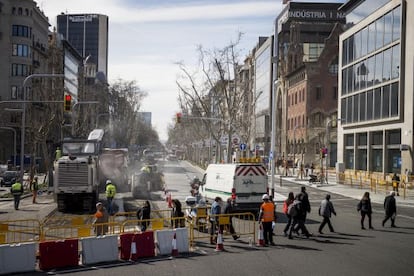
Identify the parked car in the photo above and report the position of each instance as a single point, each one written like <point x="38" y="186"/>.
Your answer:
<point x="9" y="177"/>
<point x="172" y="157"/>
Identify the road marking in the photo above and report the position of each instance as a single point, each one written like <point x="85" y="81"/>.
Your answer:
<point x="407" y="217"/>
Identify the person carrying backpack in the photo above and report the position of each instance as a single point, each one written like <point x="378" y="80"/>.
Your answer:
<point x="298" y="213"/>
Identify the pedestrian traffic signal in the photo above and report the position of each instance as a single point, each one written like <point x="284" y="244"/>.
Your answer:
<point x="67" y="103"/>
<point x="178" y="118"/>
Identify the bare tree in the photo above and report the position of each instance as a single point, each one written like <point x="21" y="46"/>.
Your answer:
<point x="212" y="95"/>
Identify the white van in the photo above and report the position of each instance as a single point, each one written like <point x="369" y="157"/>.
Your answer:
<point x="245" y="182"/>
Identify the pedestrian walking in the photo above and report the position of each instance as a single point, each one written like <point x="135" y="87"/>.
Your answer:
<point x="365" y="209"/>
<point x="312" y="167"/>
<point x="34" y="187"/>
<point x="395" y="183"/>
<point x="228" y="209"/>
<point x="302" y="207"/>
<point x="215" y="211"/>
<point x="306" y="169"/>
<point x="305" y="209"/>
<point x="390" y="207"/>
<point x="285" y="167"/>
<point x="101" y="220"/>
<point x="144" y="214"/>
<point x="326" y="209"/>
<point x="267" y="216"/>
<point x="286" y="204"/>
<point x="17" y="191"/>
<point x="58" y="153"/>
<point x="177" y="215"/>
<point x="297" y="212"/>
<point x="110" y="191"/>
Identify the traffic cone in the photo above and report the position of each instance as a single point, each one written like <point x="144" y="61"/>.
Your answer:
<point x="169" y="200"/>
<point x="219" y="244"/>
<point x="261" y="236"/>
<point x="174" y="251"/>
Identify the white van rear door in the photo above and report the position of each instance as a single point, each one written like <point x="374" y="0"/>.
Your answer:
<point x="250" y="183"/>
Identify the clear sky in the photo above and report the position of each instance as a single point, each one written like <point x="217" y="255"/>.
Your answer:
<point x="147" y="37"/>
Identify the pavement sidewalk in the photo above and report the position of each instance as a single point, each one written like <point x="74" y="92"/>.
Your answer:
<point x="346" y="190"/>
<point x="336" y="188"/>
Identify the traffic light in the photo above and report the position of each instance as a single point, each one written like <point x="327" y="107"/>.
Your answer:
<point x="178" y="118"/>
<point x="67" y="105"/>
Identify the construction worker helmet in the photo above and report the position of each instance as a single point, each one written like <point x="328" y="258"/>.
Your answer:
<point x="108" y="182"/>
<point x="265" y="197"/>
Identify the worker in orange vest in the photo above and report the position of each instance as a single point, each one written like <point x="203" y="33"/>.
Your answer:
<point x="267" y="216"/>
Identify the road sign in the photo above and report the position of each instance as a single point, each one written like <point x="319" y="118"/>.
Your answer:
<point x="243" y="146"/>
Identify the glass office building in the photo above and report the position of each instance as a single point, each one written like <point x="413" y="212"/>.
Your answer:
<point x="375" y="81"/>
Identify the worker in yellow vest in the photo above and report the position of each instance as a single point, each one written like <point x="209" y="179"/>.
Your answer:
<point x="17" y="191"/>
<point x="110" y="194"/>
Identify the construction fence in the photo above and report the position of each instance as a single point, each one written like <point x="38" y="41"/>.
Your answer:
<point x="196" y="220"/>
<point x="377" y="183"/>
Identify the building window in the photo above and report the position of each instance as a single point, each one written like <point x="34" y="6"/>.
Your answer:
<point x="394" y="99"/>
<point x="386" y="101"/>
<point x="14" y="92"/>
<point x="20" y="50"/>
<point x="377" y="103"/>
<point x="393" y="151"/>
<point x="20" y="11"/>
<point x="362" y="107"/>
<point x="376" y="160"/>
<point x="23" y="31"/>
<point x="376" y="152"/>
<point x="333" y="67"/>
<point x="19" y="70"/>
<point x="318" y="93"/>
<point x="26" y="12"/>
<point x="14" y="10"/>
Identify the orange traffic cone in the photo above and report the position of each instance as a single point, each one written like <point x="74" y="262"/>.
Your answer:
<point x="261" y="236"/>
<point x="174" y="251"/>
<point x="219" y="244"/>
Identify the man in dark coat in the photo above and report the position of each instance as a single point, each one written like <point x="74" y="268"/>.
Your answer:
<point x="390" y="207"/>
<point x="305" y="209"/>
<point x="144" y="214"/>
<point x="230" y="206"/>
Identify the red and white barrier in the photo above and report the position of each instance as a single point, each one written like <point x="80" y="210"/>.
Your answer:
<point x="137" y="245"/>
<point x="261" y="241"/>
<point x="58" y="254"/>
<point x="19" y="257"/>
<point x="174" y="250"/>
<point x="99" y="249"/>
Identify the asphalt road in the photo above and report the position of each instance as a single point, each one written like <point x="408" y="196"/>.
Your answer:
<point x="349" y="251"/>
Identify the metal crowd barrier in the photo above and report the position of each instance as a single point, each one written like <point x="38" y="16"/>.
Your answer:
<point x="79" y="231"/>
<point x="244" y="225"/>
<point x="17" y="231"/>
<point x="377" y="183"/>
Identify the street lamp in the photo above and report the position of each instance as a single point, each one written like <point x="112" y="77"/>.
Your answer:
<point x="14" y="145"/>
<point x="294" y="148"/>
<point x="24" y="115"/>
<point x="328" y="154"/>
<point x="273" y="136"/>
